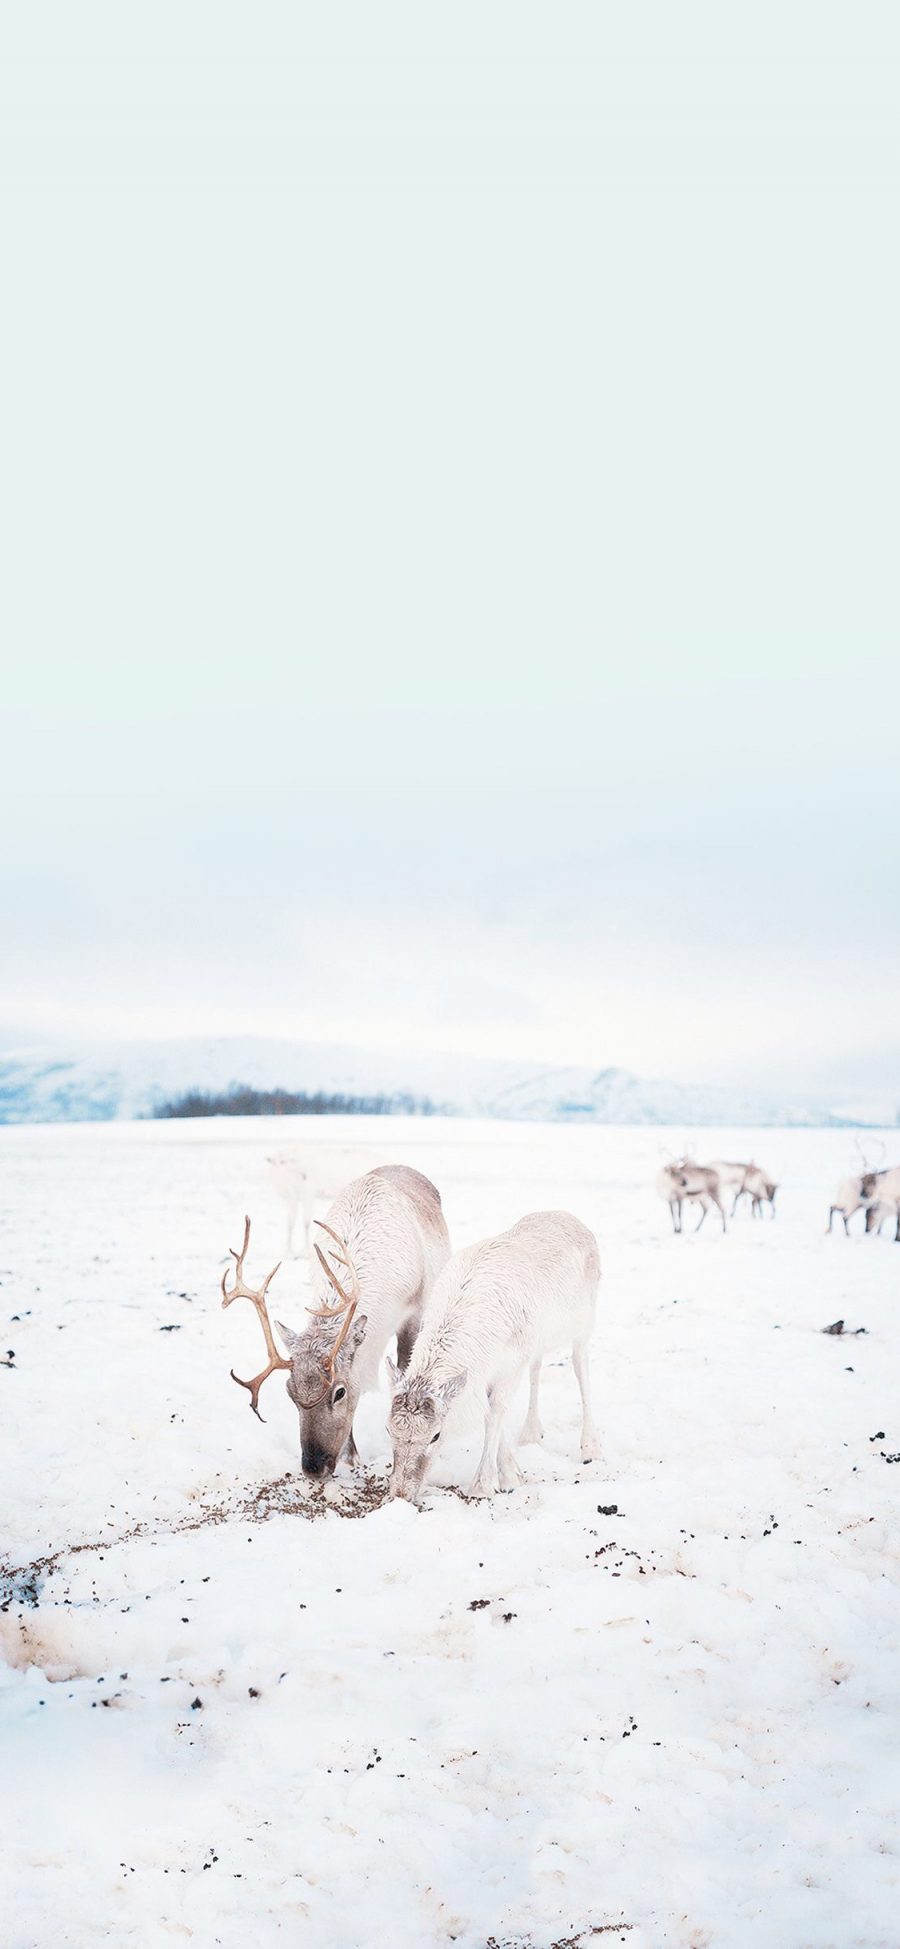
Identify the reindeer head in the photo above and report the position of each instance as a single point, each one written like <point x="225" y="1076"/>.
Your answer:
<point x="320" y="1365"/>
<point x="418" y="1412"/>
<point x="324" y="1391"/>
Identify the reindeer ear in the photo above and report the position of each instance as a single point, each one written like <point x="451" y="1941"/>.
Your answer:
<point x="357" y="1334"/>
<point x="290" y="1338"/>
<point x="452" y="1387"/>
<point x="394" y="1375"/>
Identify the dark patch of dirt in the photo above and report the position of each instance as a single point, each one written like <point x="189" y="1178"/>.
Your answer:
<point x="618" y="1555"/>
<point x="22" y="1587"/>
<point x="564" y="1942"/>
<point x="285" y="1496"/>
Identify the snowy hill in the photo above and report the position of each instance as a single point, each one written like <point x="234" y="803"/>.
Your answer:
<point x="96" y="1082"/>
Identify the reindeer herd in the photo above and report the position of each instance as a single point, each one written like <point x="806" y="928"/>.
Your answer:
<point x="681" y="1181"/>
<point x="467" y="1324"/>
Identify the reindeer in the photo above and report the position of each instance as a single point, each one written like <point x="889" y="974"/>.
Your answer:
<point x="308" y="1174"/>
<point x="683" y="1180"/>
<point x="746" y="1180"/>
<point x="848" y="1199"/>
<point x="857" y="1192"/>
<point x="881" y="1190"/>
<point x="390" y="1241"/>
<point x="497" y="1308"/>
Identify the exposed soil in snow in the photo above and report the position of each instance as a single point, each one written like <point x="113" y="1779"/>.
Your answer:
<point x="652" y="1699"/>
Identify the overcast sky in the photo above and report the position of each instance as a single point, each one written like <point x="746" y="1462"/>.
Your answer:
<point x="450" y="518"/>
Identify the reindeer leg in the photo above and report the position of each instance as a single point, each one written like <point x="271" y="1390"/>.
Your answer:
<point x="309" y="1211"/>
<point x="704" y="1207"/>
<point x="485" y="1481"/>
<point x="721" y="1210"/>
<point x="589" y="1442"/>
<point x="289" y="1231"/>
<point x="508" y="1469"/>
<point x="532" y="1430"/>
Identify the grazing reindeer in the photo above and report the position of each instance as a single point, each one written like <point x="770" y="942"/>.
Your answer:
<point x="497" y="1308"/>
<point x="746" y="1180"/>
<point x="858" y="1192"/>
<point x="684" y="1180"/>
<point x="308" y="1174"/>
<point x="391" y="1242"/>
<point x="881" y="1191"/>
<point x="847" y="1199"/>
<point x="760" y="1188"/>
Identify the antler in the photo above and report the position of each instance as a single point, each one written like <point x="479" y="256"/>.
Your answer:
<point x="240" y="1291"/>
<point x="349" y="1301"/>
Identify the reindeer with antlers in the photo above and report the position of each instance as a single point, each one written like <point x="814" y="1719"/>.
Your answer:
<point x="858" y="1192"/>
<point x="389" y="1242"/>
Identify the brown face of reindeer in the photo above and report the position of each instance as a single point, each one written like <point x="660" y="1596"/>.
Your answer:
<point x="324" y="1392"/>
<point x="320" y="1361"/>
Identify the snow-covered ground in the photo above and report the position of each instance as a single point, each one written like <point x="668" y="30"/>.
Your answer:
<point x="652" y="1700"/>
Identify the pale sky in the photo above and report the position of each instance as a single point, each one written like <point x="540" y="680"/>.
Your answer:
<point x="450" y="509"/>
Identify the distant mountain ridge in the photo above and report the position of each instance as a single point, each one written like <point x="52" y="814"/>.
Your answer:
<point x="104" y="1081"/>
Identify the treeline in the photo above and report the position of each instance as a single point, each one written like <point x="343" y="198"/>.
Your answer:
<point x="243" y="1101"/>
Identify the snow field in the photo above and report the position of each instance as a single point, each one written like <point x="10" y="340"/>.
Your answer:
<point x="241" y="1710"/>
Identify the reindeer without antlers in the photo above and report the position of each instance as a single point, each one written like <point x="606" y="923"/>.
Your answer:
<point x="684" y="1181"/>
<point x="305" y="1174"/>
<point x="746" y="1181"/>
<point x="391" y="1241"/>
<point x="497" y="1308"/>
